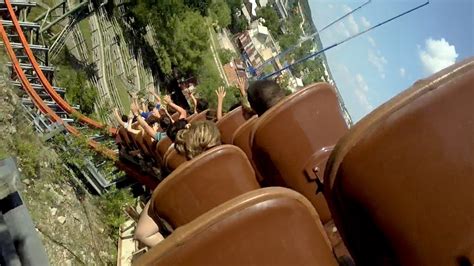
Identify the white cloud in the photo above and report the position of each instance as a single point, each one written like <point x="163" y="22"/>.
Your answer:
<point x="352" y="25"/>
<point x="365" y="22"/>
<point x="378" y="61"/>
<point x="349" y="26"/>
<point x="361" y="83"/>
<point x="371" y="41"/>
<point x="342" y="30"/>
<point x="437" y="54"/>
<point x="402" y="72"/>
<point x="361" y="92"/>
<point x="346" y="8"/>
<point x="358" y="86"/>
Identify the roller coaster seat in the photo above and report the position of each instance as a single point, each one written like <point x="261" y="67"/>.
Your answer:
<point x="229" y="124"/>
<point x="241" y="139"/>
<point x="399" y="184"/>
<point x="292" y="141"/>
<point x="162" y="147"/>
<point x="256" y="228"/>
<point x="126" y="142"/>
<point x="199" y="117"/>
<point x="173" y="160"/>
<point x="150" y="144"/>
<point x="201" y="184"/>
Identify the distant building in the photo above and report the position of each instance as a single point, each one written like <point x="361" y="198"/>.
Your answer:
<point x="235" y="70"/>
<point x="262" y="3"/>
<point x="250" y="7"/>
<point x="257" y="44"/>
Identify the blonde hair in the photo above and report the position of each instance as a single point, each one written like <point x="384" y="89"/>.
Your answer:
<point x="179" y="143"/>
<point x="200" y="137"/>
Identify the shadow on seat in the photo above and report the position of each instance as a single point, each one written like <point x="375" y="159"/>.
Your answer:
<point x="241" y="139"/>
<point x="256" y="228"/>
<point x="292" y="141"/>
<point x="400" y="183"/>
<point x="229" y="124"/>
<point x="201" y="184"/>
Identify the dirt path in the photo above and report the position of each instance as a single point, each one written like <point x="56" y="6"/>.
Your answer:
<point x="216" y="58"/>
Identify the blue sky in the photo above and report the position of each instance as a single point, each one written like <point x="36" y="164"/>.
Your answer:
<point x="374" y="67"/>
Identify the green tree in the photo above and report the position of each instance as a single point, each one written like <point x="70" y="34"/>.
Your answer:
<point x="238" y="24"/>
<point x="272" y="21"/>
<point x="181" y="43"/>
<point x="80" y="93"/>
<point x="220" y="12"/>
<point x="234" y="4"/>
<point x="226" y="56"/>
<point x="199" y="5"/>
<point x="188" y="43"/>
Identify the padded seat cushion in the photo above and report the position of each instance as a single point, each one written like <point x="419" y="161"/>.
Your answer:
<point x="400" y="184"/>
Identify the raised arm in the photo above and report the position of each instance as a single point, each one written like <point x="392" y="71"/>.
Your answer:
<point x="179" y="109"/>
<point x="118" y="117"/>
<point x="149" y="130"/>
<point x="131" y="129"/>
<point x="168" y="115"/>
<point x="157" y="97"/>
<point x="191" y="94"/>
<point x="135" y="112"/>
<point x="243" y="92"/>
<point x="220" y="100"/>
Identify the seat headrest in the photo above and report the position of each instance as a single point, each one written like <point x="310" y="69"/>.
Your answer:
<point x="173" y="159"/>
<point x="399" y="184"/>
<point x="199" y="185"/>
<point x="271" y="226"/>
<point x="296" y="136"/>
<point x="199" y="117"/>
<point x="229" y="124"/>
<point x="241" y="139"/>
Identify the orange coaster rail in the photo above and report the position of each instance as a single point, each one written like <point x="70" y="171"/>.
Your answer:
<point x="39" y="102"/>
<point x="44" y="81"/>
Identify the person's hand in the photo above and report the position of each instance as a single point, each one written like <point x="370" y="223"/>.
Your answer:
<point x="220" y="93"/>
<point x="134" y="109"/>
<point x="167" y="99"/>
<point x="242" y="84"/>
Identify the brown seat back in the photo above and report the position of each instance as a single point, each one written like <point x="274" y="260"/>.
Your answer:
<point x="133" y="142"/>
<point x="201" y="184"/>
<point x="173" y="159"/>
<point x="162" y="147"/>
<point x="229" y="124"/>
<point x="149" y="144"/>
<point x="198" y="117"/>
<point x="296" y="136"/>
<point x="241" y="139"/>
<point x="400" y="184"/>
<point x="126" y="142"/>
<point x="189" y="118"/>
<point x="257" y="228"/>
<point x="138" y="139"/>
